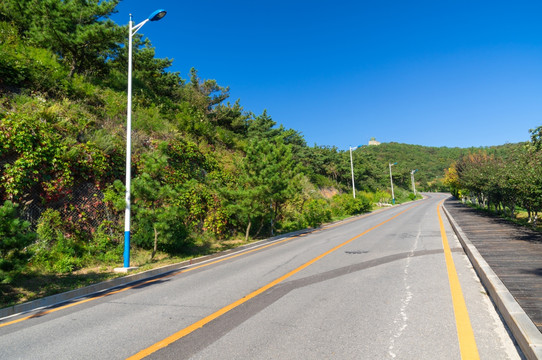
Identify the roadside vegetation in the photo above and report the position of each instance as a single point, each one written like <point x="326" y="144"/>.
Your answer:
<point x="207" y="175"/>
<point x="507" y="182"/>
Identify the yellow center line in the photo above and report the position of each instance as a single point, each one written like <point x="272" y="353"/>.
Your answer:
<point x="199" y="324"/>
<point x="108" y="293"/>
<point x="467" y="343"/>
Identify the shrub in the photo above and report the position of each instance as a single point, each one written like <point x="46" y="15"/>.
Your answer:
<point x="36" y="149"/>
<point x="345" y="204"/>
<point x="166" y="223"/>
<point x="216" y="222"/>
<point x="291" y="225"/>
<point x="23" y="65"/>
<point x="103" y="246"/>
<point x="53" y="250"/>
<point x="402" y="195"/>
<point x="316" y="212"/>
<point x="379" y="197"/>
<point x="15" y="236"/>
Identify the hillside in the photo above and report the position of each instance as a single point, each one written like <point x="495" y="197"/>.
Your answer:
<point x="431" y="162"/>
<point x="204" y="171"/>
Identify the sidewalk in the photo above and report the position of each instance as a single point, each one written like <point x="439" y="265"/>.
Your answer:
<point x="505" y="254"/>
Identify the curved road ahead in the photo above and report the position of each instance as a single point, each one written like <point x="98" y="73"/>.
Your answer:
<point x="393" y="284"/>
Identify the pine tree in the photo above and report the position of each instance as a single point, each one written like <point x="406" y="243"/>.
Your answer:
<point x="264" y="183"/>
<point x="78" y="31"/>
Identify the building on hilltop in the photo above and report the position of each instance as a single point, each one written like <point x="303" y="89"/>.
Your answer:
<point x="373" y="142"/>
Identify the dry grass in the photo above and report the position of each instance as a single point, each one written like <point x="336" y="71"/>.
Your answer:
<point x="36" y="284"/>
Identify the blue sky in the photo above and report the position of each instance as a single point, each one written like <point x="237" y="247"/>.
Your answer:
<point x="434" y="73"/>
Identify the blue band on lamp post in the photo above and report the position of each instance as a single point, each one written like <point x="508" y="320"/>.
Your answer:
<point x="155" y="16"/>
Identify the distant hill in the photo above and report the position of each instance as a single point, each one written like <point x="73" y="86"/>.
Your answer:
<point x="429" y="161"/>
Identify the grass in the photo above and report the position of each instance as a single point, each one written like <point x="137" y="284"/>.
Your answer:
<point x="520" y="217"/>
<point x="36" y="284"/>
<point x="523" y="220"/>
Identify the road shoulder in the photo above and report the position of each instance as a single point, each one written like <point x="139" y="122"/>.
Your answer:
<point x="522" y="327"/>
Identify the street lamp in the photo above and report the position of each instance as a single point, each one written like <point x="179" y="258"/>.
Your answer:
<point x="155" y="16"/>
<point x="413" y="183"/>
<point x="352" y="168"/>
<point x="391" y="180"/>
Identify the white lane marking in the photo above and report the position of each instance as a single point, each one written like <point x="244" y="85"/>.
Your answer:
<point x="401" y="320"/>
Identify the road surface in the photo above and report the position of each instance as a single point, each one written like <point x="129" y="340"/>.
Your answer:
<point x="393" y="284"/>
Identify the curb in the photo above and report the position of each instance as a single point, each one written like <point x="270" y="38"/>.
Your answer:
<point x="522" y="327"/>
<point x="108" y="285"/>
<point x="111" y="284"/>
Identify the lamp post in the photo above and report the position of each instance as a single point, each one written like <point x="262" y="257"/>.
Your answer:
<point x="155" y="16"/>
<point x="412" y="179"/>
<point x="352" y="168"/>
<point x="391" y="180"/>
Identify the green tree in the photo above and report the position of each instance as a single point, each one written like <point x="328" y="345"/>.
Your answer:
<point x="151" y="80"/>
<point x="536" y="137"/>
<point x="158" y="216"/>
<point x="262" y="127"/>
<point x="451" y="180"/>
<point x="206" y="94"/>
<point x="79" y="31"/>
<point x="527" y="176"/>
<point x="28" y="66"/>
<point x="264" y="183"/>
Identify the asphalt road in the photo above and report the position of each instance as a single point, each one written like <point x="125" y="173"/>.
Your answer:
<point x="388" y="285"/>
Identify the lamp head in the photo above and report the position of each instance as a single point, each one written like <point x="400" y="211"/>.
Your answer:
<point x="157" y="15"/>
